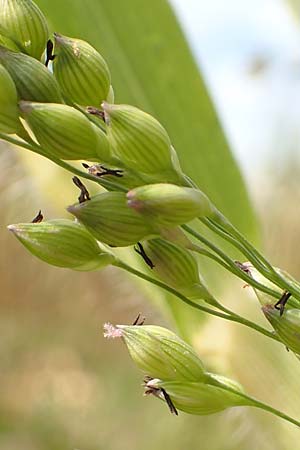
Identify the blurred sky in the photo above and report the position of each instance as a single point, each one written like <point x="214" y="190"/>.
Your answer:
<point x="250" y="55"/>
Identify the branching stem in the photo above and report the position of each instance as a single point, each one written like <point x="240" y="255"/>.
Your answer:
<point x="226" y="314"/>
<point x="251" y="401"/>
<point x="230" y="264"/>
<point x="109" y="185"/>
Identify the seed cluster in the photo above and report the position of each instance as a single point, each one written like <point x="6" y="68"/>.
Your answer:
<point x="57" y="99"/>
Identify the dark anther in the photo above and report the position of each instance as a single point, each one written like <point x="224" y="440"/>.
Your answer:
<point x="152" y="390"/>
<point x="84" y="193"/>
<point x="38" y="218"/>
<point x="140" y="251"/>
<point x="95" y="112"/>
<point x="114" y="172"/>
<point x="49" y="54"/>
<point x="99" y="171"/>
<point x="169" y="402"/>
<point x="243" y="267"/>
<point x="139" y="321"/>
<point x="280" y="305"/>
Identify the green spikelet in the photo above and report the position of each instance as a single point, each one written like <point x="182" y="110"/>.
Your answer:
<point x="109" y="219"/>
<point x="159" y="352"/>
<point x="194" y="397"/>
<point x="177" y="267"/>
<point x="140" y="141"/>
<point x="81" y="71"/>
<point x="168" y="204"/>
<point x="23" y="22"/>
<point x="63" y="243"/>
<point x="66" y="132"/>
<point x="33" y="81"/>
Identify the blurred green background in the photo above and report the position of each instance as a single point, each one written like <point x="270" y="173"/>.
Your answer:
<point x="62" y="385"/>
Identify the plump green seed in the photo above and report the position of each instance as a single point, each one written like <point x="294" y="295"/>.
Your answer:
<point x="109" y="219"/>
<point x="23" y="22"/>
<point x="177" y="267"/>
<point x="195" y="397"/>
<point x="63" y="243"/>
<point x="168" y="204"/>
<point x="33" y="81"/>
<point x="160" y="353"/>
<point x="66" y="132"/>
<point x="81" y="71"/>
<point x="140" y="141"/>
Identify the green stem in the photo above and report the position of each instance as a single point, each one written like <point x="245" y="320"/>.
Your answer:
<point x="230" y="229"/>
<point x="204" y="252"/>
<point x="231" y="266"/>
<point x="258" y="260"/>
<point x="251" y="401"/>
<point x="216" y="228"/>
<point x="39" y="150"/>
<point x="228" y="316"/>
<point x="235" y="271"/>
<point x="276" y="412"/>
<point x="223" y="227"/>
